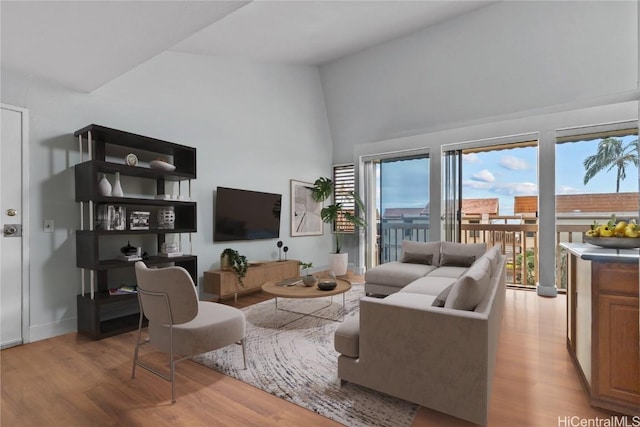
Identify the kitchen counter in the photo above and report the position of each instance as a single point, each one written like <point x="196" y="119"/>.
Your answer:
<point x="603" y="316"/>
<point x="590" y="252"/>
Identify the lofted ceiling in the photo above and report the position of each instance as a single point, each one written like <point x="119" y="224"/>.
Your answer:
<point x="86" y="44"/>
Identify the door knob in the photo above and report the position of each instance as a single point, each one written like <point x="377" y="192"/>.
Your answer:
<point x="12" y="212"/>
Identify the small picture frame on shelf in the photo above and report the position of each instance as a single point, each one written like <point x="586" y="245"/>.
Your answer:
<point x="139" y="220"/>
<point x="111" y="217"/>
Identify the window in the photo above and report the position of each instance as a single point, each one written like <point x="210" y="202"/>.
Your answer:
<point x="344" y="186"/>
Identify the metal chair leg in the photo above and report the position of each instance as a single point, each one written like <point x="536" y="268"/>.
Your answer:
<point x="135" y="353"/>
<point x="173" y="382"/>
<point x="244" y="353"/>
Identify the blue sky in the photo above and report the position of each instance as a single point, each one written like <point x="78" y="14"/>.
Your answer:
<point x="503" y="174"/>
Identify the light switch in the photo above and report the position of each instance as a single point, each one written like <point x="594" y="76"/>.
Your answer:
<point x="48" y="226"/>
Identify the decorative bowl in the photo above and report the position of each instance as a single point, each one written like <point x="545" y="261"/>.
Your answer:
<point x="161" y="165"/>
<point x="327" y="286"/>
<point x="614" y="242"/>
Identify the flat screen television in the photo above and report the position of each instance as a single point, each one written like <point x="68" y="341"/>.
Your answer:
<point x="246" y="215"/>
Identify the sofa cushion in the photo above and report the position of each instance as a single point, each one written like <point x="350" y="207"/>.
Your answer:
<point x="471" y="287"/>
<point x="442" y="296"/>
<point x="454" y="272"/>
<point x="413" y="249"/>
<point x="455" y="260"/>
<point x="429" y="285"/>
<point x="346" y="339"/>
<point x="463" y="249"/>
<point x="409" y="300"/>
<point x="412" y="258"/>
<point x="397" y="273"/>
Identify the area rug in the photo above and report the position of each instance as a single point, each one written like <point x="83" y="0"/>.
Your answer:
<point x="292" y="357"/>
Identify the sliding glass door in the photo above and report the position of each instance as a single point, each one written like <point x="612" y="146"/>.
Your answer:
<point x="452" y="200"/>
<point x="402" y="200"/>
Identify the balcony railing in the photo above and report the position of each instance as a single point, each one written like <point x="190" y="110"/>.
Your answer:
<point x="519" y="242"/>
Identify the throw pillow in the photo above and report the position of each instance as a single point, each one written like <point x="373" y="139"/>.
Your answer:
<point x="412" y="258"/>
<point x="467" y="249"/>
<point x="469" y="290"/>
<point x="410" y="248"/>
<point x="457" y="260"/>
<point x="493" y="254"/>
<point x="442" y="296"/>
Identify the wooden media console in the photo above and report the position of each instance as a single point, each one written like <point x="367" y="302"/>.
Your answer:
<point x="224" y="283"/>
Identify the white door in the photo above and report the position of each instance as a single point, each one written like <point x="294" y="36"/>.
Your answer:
<point x="13" y="295"/>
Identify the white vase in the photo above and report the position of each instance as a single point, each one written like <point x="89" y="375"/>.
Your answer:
<point x="104" y="187"/>
<point x="338" y="263"/>
<point x="309" y="280"/>
<point x="117" y="188"/>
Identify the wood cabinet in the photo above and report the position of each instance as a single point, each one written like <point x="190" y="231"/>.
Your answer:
<point x="616" y="346"/>
<point x="224" y="283"/>
<point x="603" y="334"/>
<point x="97" y="247"/>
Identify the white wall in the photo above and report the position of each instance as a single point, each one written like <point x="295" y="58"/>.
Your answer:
<point x="503" y="60"/>
<point x="255" y="126"/>
<point x="510" y="68"/>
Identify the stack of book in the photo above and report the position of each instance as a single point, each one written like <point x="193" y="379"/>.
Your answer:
<point x="169" y="254"/>
<point x="130" y="258"/>
<point x="123" y="290"/>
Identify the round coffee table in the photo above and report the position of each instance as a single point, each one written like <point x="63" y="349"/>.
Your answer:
<point x="298" y="290"/>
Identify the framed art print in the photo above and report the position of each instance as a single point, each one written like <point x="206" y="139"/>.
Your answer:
<point x="305" y="212"/>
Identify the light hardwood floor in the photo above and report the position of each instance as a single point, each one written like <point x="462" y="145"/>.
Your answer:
<point x="73" y="381"/>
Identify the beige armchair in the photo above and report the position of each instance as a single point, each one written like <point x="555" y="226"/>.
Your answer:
<point x="179" y="324"/>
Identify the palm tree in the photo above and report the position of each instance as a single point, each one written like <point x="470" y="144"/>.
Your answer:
<point x="611" y="154"/>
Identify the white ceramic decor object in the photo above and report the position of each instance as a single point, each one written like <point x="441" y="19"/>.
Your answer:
<point x="117" y="188"/>
<point x="131" y="159"/>
<point x="166" y="218"/>
<point x="104" y="186"/>
<point x="161" y="165"/>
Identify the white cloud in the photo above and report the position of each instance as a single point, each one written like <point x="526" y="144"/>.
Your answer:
<point x="477" y="185"/>
<point x="471" y="158"/>
<point x="515" y="188"/>
<point x="483" y="176"/>
<point x="503" y="188"/>
<point x="567" y="189"/>
<point x="513" y="163"/>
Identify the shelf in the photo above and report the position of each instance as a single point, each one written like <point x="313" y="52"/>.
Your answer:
<point x="138" y="201"/>
<point x="87" y="173"/>
<point x="108" y="264"/>
<point x="96" y="233"/>
<point x="106" y="298"/>
<point x="184" y="158"/>
<point x="99" y="166"/>
<point x="106" y="315"/>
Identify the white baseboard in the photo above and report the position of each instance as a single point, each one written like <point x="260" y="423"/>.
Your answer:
<point x="53" y="329"/>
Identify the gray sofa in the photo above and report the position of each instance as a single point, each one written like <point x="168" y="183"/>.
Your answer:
<point x="433" y="339"/>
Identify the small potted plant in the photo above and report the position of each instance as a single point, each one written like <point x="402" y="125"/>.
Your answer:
<point x="231" y="259"/>
<point x="308" y="279"/>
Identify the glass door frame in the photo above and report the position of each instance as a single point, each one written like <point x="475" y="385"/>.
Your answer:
<point x="366" y="185"/>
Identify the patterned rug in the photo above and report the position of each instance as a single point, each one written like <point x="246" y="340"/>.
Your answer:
<point x="291" y="356"/>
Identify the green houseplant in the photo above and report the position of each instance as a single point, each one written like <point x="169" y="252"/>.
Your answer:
<point x="322" y="190"/>
<point x="230" y="259"/>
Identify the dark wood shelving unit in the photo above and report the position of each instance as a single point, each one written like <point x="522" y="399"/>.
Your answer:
<point x="100" y="314"/>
